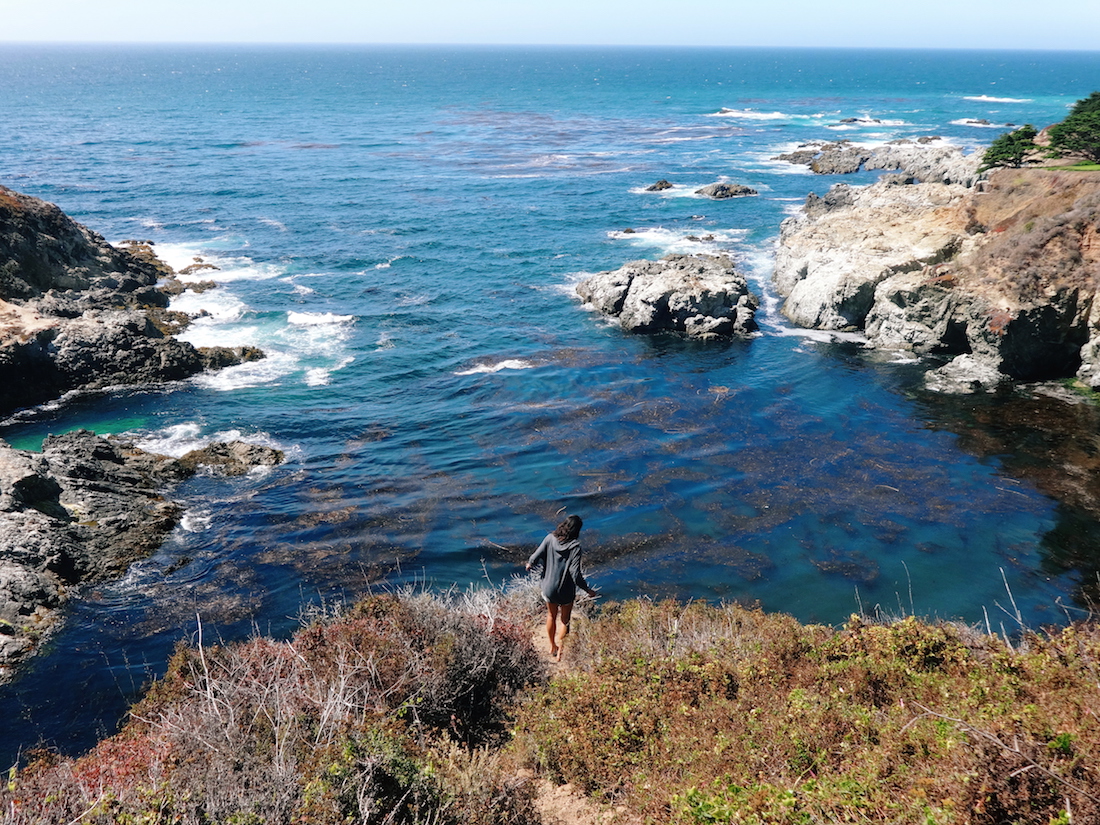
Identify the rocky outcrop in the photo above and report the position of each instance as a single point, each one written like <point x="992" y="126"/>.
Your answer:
<point x="698" y="295"/>
<point x="83" y="510"/>
<point x="79" y="313"/>
<point x="1001" y="279"/>
<point x="831" y="259"/>
<point x="659" y="186"/>
<point x="923" y="160"/>
<point x="722" y="191"/>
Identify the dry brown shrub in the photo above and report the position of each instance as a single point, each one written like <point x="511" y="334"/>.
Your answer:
<point x="349" y="720"/>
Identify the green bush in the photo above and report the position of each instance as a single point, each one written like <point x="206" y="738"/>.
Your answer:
<point x="695" y="714"/>
<point x="1010" y="149"/>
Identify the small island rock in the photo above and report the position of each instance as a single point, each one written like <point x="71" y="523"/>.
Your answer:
<point x="698" y="295"/>
<point x="722" y="191"/>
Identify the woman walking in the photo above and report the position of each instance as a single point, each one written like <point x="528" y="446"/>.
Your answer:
<point x="560" y="555"/>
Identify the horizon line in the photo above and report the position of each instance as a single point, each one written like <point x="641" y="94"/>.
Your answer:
<point x="542" y="45"/>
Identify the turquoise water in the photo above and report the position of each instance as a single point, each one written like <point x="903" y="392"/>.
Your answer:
<point x="401" y="230"/>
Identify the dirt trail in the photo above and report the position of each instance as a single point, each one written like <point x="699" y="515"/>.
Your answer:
<point x="564" y="804"/>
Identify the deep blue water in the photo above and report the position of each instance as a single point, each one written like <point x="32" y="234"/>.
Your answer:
<point x="401" y="229"/>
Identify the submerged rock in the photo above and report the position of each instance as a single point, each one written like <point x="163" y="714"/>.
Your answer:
<point x="698" y="295"/>
<point x="233" y="458"/>
<point x="83" y="510"/>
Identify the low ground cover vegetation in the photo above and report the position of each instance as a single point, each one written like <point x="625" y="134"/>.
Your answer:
<point x="419" y="708"/>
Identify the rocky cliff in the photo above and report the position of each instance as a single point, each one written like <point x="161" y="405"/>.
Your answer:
<point x="79" y="313"/>
<point x="1001" y="276"/>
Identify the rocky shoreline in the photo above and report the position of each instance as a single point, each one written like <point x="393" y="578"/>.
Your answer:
<point x="78" y="314"/>
<point x="82" y="510"/>
<point x="998" y="274"/>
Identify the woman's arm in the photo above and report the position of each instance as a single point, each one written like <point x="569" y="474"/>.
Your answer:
<point x="578" y="575"/>
<point x="539" y="553"/>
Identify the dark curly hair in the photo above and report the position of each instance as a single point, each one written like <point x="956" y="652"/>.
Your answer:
<point x="569" y="529"/>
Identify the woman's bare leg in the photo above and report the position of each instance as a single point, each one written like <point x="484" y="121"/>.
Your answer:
<point x="552" y="629"/>
<point x="562" y="630"/>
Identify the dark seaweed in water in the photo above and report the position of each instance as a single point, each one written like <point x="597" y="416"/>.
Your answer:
<point x="1049" y="436"/>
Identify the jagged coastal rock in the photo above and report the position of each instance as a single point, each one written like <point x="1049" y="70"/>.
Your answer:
<point x="885" y="230"/>
<point x="659" y="186"/>
<point x="1001" y="277"/>
<point x="722" y="191"/>
<point x="698" y="295"/>
<point x="79" y="313"/>
<point x="83" y="510"/>
<point x="924" y="159"/>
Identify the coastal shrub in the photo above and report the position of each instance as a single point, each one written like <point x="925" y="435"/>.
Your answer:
<point x="383" y="713"/>
<point x="1010" y="149"/>
<point x="1079" y="134"/>
<point x="698" y="714"/>
<point x="414" y="708"/>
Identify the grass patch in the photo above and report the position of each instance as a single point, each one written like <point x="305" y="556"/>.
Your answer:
<point x="1082" y="166"/>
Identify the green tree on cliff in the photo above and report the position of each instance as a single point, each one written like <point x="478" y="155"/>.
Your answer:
<point x="1079" y="134"/>
<point x="1086" y="104"/>
<point x="1010" y="149"/>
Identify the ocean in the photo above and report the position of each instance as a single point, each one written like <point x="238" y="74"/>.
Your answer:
<point x="401" y="230"/>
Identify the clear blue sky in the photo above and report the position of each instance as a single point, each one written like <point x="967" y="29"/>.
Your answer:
<point x="1013" y="24"/>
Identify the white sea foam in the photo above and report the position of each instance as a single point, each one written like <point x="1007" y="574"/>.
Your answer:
<point x="217" y="304"/>
<point x="274" y="366"/>
<point x="989" y="99"/>
<point x="686" y="139"/>
<point x="320" y="376"/>
<point x="824" y="336"/>
<point x="903" y="358"/>
<point x="507" y="364"/>
<point x="309" y="319"/>
<point x="272" y="222"/>
<point x="196" y="521"/>
<point x="680" y="241"/>
<point x="750" y="114"/>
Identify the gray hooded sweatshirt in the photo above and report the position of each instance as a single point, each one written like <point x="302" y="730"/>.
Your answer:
<point x="561" y="569"/>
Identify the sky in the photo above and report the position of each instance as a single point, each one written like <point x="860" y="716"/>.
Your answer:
<point x="986" y="24"/>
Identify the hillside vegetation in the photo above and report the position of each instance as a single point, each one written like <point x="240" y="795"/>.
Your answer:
<point x="426" y="708"/>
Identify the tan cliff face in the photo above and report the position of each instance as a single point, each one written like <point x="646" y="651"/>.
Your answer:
<point x="1003" y="276"/>
<point x="1041" y="236"/>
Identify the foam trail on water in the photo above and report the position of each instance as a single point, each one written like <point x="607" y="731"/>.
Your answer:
<point x="989" y="99"/>
<point x="507" y="364"/>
